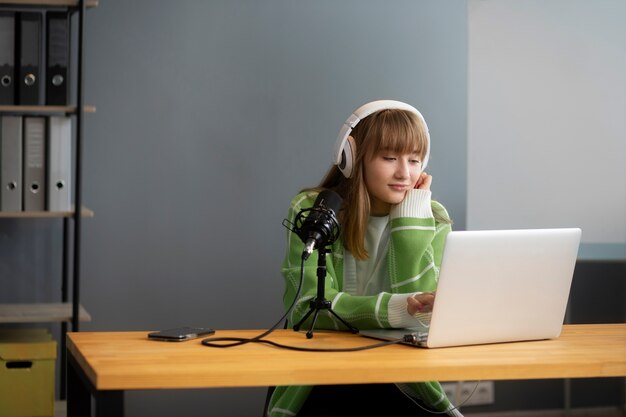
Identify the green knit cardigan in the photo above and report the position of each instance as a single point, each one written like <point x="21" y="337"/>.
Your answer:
<point x="413" y="260"/>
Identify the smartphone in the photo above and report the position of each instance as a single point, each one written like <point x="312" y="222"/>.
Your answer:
<point x="180" y="334"/>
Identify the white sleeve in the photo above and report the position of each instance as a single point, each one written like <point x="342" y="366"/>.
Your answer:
<point x="399" y="316"/>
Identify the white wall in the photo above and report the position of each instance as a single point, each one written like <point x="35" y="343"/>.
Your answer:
<point x="546" y="118"/>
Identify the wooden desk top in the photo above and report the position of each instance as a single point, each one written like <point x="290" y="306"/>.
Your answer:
<point x="128" y="360"/>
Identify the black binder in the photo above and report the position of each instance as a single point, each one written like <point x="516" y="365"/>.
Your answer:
<point x="29" y="53"/>
<point x="7" y="58"/>
<point x="57" y="58"/>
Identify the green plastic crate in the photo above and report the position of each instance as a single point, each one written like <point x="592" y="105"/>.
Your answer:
<point x="27" y="361"/>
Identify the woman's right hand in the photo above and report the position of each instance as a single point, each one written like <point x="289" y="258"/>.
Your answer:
<point x="420" y="303"/>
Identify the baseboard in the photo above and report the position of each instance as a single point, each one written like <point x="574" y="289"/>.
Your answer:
<point x="575" y="412"/>
<point x="60" y="408"/>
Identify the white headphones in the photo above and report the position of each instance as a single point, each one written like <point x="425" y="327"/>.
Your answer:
<point x="345" y="149"/>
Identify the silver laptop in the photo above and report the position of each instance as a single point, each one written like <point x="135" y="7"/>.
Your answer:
<point x="498" y="286"/>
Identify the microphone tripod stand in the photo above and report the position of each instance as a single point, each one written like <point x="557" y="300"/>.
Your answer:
<point x="320" y="303"/>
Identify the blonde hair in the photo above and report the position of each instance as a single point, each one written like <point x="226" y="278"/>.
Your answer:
<point x="386" y="130"/>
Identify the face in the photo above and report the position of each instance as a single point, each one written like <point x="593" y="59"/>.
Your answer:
<point x="388" y="176"/>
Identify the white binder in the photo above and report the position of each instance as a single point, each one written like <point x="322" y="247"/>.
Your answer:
<point x="34" y="163"/>
<point x="59" y="163"/>
<point x="11" y="163"/>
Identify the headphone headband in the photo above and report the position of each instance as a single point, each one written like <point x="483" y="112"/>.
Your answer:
<point x="344" y="153"/>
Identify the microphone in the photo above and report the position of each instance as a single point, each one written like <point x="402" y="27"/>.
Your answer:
<point x="320" y="228"/>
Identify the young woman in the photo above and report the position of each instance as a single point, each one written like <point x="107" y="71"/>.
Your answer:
<point x="382" y="271"/>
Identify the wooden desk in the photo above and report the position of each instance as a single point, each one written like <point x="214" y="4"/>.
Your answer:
<point x="106" y="364"/>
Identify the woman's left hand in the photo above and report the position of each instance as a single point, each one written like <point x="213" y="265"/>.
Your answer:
<point x="424" y="181"/>
<point x="420" y="303"/>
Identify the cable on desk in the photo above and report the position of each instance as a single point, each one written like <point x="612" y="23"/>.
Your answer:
<point x="238" y="341"/>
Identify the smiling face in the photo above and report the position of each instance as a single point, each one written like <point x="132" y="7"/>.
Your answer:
<point x="388" y="144"/>
<point x="388" y="176"/>
<point x="392" y="145"/>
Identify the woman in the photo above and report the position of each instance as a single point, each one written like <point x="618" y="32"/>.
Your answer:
<point x="382" y="271"/>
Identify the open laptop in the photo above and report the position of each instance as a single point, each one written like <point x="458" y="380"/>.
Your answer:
<point x="498" y="286"/>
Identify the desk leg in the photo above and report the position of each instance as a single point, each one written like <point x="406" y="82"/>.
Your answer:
<point x="109" y="403"/>
<point x="80" y="391"/>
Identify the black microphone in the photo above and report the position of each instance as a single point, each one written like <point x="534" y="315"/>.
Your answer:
<point x="320" y="228"/>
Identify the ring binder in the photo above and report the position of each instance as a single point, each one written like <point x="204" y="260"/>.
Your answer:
<point x="11" y="163"/>
<point x="7" y="58"/>
<point x="58" y="58"/>
<point x="29" y="52"/>
<point x="59" y="163"/>
<point x="34" y="192"/>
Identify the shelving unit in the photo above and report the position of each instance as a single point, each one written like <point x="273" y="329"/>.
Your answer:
<point x="68" y="309"/>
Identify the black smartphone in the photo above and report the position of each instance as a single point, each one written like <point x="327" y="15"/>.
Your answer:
<point x="180" y="334"/>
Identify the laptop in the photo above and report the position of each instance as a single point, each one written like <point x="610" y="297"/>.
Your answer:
<point x="498" y="286"/>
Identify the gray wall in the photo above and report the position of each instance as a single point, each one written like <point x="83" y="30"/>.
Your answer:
<point x="558" y="98"/>
<point x="210" y="117"/>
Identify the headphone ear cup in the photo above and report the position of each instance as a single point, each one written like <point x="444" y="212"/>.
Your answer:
<point x="348" y="156"/>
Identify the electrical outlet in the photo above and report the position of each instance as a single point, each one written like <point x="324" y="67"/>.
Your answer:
<point x="464" y="393"/>
<point x="449" y="388"/>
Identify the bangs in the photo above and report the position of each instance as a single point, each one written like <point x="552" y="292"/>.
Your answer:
<point x="397" y="131"/>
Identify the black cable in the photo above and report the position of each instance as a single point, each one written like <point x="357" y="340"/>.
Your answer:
<point x="238" y="341"/>
<point x="257" y="339"/>
<point x="455" y="407"/>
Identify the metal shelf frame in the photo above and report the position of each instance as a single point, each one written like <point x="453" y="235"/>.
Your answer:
<point x="71" y="262"/>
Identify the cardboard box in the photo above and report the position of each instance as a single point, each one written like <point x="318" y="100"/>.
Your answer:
<point x="27" y="379"/>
